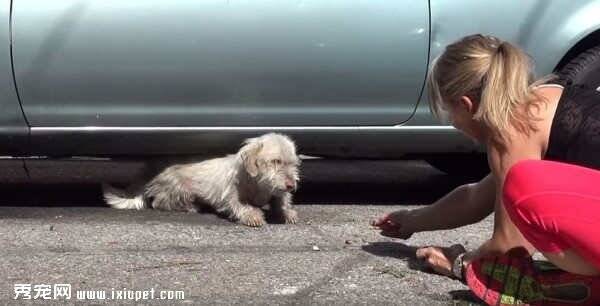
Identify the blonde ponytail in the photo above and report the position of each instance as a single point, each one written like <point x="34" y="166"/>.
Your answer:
<point x="495" y="73"/>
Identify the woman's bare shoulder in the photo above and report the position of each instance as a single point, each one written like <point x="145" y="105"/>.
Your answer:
<point x="544" y="113"/>
<point x="518" y="146"/>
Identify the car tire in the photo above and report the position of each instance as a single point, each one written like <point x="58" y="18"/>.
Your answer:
<point x="465" y="165"/>
<point x="584" y="69"/>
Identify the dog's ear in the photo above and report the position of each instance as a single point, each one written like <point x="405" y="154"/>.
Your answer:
<point x="249" y="155"/>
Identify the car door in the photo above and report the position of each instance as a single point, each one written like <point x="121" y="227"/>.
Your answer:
<point x="165" y="63"/>
<point x="13" y="127"/>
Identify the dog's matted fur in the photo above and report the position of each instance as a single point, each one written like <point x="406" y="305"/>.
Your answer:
<point x="264" y="171"/>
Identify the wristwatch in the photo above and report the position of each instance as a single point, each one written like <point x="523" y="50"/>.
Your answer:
<point x="457" y="266"/>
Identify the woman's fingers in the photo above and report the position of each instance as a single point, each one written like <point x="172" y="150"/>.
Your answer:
<point x="392" y="225"/>
<point x="389" y="219"/>
<point x="427" y="255"/>
<point x="434" y="258"/>
<point x="381" y="220"/>
<point x="424" y="253"/>
<point x="389" y="226"/>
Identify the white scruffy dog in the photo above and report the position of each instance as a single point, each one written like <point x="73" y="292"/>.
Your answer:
<point x="264" y="171"/>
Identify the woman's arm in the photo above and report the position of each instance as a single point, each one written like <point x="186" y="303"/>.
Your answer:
<point x="465" y="205"/>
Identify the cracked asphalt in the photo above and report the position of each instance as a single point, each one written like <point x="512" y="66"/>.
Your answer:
<point x="63" y="234"/>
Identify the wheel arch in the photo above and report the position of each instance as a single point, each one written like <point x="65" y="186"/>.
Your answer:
<point x="561" y="33"/>
<point x="589" y="41"/>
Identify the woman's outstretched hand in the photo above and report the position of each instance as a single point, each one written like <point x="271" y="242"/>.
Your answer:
<point x="396" y="224"/>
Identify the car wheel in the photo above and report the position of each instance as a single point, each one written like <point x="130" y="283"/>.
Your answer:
<point x="583" y="69"/>
<point x="466" y="165"/>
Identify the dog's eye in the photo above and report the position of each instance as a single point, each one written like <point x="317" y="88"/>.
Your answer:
<point x="277" y="161"/>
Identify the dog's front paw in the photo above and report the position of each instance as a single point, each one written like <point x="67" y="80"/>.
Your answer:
<point x="290" y="216"/>
<point x="254" y="218"/>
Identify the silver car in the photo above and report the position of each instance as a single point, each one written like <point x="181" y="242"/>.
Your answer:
<point x="100" y="81"/>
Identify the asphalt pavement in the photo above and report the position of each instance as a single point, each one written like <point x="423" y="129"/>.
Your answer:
<point x="54" y="237"/>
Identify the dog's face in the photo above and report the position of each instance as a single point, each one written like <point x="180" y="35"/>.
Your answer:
<point x="272" y="159"/>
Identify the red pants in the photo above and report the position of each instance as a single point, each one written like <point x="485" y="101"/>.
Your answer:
<point x="556" y="206"/>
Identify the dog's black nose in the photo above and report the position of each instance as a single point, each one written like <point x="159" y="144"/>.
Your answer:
<point x="290" y="185"/>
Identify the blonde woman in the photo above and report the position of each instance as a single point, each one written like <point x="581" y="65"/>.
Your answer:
<point x="543" y="145"/>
